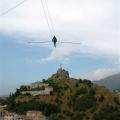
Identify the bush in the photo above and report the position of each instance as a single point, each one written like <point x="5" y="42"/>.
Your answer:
<point x="81" y="91"/>
<point x="87" y="81"/>
<point x="92" y="91"/>
<point x="11" y="99"/>
<point x="116" y="100"/>
<point x="79" y="116"/>
<point x="80" y="80"/>
<point x="108" y="113"/>
<point x="51" y="109"/>
<point x="77" y="85"/>
<point x="24" y="88"/>
<point x="2" y="101"/>
<point x="21" y="108"/>
<point x="68" y="113"/>
<point x="84" y="103"/>
<point x="101" y="98"/>
<point x="58" y="101"/>
<point x="56" y="117"/>
<point x="93" y="109"/>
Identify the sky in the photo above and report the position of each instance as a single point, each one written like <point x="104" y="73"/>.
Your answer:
<point x="93" y="23"/>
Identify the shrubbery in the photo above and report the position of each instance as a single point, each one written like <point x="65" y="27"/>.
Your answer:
<point x="81" y="91"/>
<point x="46" y="108"/>
<point x="101" y="98"/>
<point x="68" y="113"/>
<point x="84" y="103"/>
<point x="88" y="82"/>
<point x="24" y="88"/>
<point x="79" y="116"/>
<point x="108" y="113"/>
<point x="116" y="100"/>
<point x="2" y="101"/>
<point x="92" y="91"/>
<point x="11" y="99"/>
<point x="56" y="117"/>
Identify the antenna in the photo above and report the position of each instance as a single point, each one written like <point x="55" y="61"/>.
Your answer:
<point x="61" y="65"/>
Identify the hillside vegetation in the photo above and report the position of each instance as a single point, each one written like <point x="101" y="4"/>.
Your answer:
<point x="72" y="99"/>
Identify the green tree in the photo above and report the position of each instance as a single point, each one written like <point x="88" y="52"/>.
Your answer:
<point x="108" y="113"/>
<point x="92" y="91"/>
<point x="84" y="103"/>
<point x="56" y="117"/>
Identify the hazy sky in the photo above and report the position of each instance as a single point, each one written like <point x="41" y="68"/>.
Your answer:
<point x="93" y="23"/>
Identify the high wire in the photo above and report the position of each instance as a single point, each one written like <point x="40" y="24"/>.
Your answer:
<point x="50" y="17"/>
<point x="47" y="19"/>
<point x="12" y="8"/>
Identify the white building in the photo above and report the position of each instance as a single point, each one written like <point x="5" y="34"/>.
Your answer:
<point x="2" y="107"/>
<point x="2" y="114"/>
<point x="38" y="84"/>
<point x="36" y="115"/>
<point x="46" y="91"/>
<point x="10" y="116"/>
<point x="23" y="117"/>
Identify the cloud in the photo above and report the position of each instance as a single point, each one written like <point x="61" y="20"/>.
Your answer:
<point x="56" y="54"/>
<point x="94" y="23"/>
<point x="118" y="62"/>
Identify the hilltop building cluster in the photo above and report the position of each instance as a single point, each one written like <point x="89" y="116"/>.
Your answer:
<point x="30" y="115"/>
<point x="37" y="88"/>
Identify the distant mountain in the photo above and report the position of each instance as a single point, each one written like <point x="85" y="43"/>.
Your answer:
<point x="112" y="82"/>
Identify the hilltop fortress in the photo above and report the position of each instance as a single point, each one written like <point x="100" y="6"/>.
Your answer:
<point x="37" y="88"/>
<point x="43" y="88"/>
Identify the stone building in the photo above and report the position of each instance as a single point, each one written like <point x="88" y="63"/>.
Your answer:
<point x="2" y="114"/>
<point x="62" y="74"/>
<point x="38" y="84"/>
<point x="36" y="115"/>
<point x="30" y="115"/>
<point x="46" y="91"/>
<point x="10" y="116"/>
<point x="23" y="117"/>
<point x="2" y="107"/>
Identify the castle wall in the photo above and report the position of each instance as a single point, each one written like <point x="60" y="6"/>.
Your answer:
<point x="40" y="92"/>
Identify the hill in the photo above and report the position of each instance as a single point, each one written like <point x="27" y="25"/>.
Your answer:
<point x="111" y="82"/>
<point x="71" y="99"/>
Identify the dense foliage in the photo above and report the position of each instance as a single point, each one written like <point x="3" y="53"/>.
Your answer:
<point x="56" y="117"/>
<point x="84" y="103"/>
<point x="21" y="108"/>
<point x="2" y="101"/>
<point x="46" y="108"/>
<point x="108" y="113"/>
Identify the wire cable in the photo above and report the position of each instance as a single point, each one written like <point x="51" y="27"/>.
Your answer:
<point x="46" y="17"/>
<point x="12" y="8"/>
<point x="51" y="41"/>
<point x="40" y="42"/>
<point x="50" y="17"/>
<point x="69" y="42"/>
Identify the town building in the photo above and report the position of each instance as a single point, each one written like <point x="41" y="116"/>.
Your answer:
<point x="36" y="115"/>
<point x="38" y="84"/>
<point x="10" y="116"/>
<point x="23" y="117"/>
<point x="2" y="107"/>
<point x="2" y="114"/>
<point x="30" y="115"/>
<point x="47" y="91"/>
